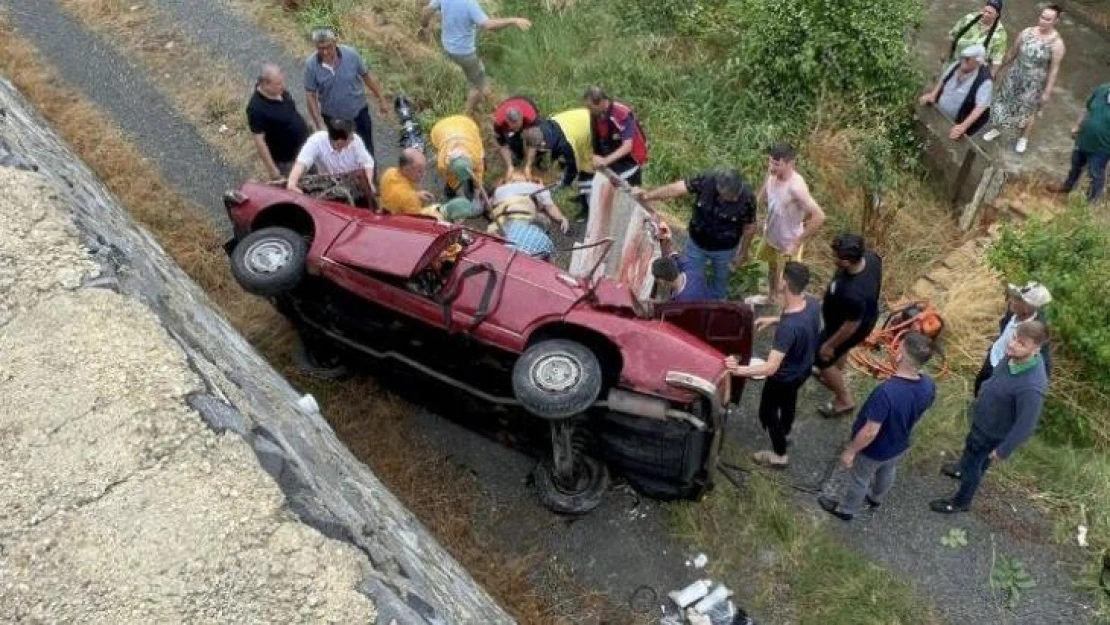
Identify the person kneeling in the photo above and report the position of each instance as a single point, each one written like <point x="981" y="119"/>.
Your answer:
<point x="337" y="151"/>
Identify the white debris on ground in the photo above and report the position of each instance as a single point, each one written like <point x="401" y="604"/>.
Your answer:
<point x="117" y="504"/>
<point x="702" y="602"/>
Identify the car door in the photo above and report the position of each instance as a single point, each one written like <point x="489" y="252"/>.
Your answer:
<point x="727" y="326"/>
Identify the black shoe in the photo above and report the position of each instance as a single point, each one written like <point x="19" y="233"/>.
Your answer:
<point x="871" y="502"/>
<point x="952" y="471"/>
<point x="830" y="505"/>
<point x="946" y="506"/>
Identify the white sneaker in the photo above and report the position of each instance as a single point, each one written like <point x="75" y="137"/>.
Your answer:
<point x="1022" y="145"/>
<point x="991" y="135"/>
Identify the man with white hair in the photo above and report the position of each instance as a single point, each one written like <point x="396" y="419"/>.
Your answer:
<point x="277" y="128"/>
<point x="963" y="93"/>
<point x="334" y="78"/>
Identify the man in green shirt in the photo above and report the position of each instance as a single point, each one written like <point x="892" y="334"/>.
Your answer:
<point x="983" y="27"/>
<point x="1092" y="146"/>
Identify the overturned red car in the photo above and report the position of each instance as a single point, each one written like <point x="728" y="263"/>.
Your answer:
<point x="626" y="385"/>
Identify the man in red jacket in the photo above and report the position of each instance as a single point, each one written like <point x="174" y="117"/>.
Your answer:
<point x="618" y="141"/>
<point x="510" y="119"/>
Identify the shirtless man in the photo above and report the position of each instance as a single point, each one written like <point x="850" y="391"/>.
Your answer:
<point x="792" y="214"/>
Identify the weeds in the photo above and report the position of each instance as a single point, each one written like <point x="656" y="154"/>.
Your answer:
<point x="793" y="570"/>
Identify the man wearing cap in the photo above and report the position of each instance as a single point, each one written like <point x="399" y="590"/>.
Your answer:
<point x="1003" y="416"/>
<point x="983" y="27"/>
<point x="850" y="309"/>
<point x="722" y="226"/>
<point x="461" y="21"/>
<point x="334" y="77"/>
<point x="1024" y="303"/>
<point x="963" y="93"/>
<point x="1092" y="146"/>
<point x="460" y="157"/>
<point x="510" y="119"/>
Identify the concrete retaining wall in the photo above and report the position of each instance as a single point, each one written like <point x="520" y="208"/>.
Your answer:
<point x="413" y="580"/>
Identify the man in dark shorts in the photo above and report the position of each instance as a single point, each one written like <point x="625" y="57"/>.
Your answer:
<point x="850" y="310"/>
<point x="789" y="363"/>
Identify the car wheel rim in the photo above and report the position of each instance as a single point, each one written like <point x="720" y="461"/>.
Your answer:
<point x="556" y="373"/>
<point x="268" y="256"/>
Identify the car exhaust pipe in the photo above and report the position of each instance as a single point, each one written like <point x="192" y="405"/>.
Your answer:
<point x="648" y="407"/>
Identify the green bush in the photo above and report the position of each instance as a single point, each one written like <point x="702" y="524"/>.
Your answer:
<point x="1071" y="257"/>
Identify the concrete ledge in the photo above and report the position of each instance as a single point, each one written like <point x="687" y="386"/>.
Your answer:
<point x="411" y="578"/>
<point x="968" y="177"/>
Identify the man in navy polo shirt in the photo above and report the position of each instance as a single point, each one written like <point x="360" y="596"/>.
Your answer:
<point x="881" y="433"/>
<point x="334" y="77"/>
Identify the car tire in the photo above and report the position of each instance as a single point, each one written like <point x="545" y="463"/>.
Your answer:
<point x="316" y="360"/>
<point x="269" y="261"/>
<point x="591" y="482"/>
<point x="557" y="379"/>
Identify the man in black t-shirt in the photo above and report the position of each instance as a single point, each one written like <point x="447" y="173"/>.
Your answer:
<point x="789" y="363"/>
<point x="850" y="310"/>
<point x="277" y="128"/>
<point x="722" y="225"/>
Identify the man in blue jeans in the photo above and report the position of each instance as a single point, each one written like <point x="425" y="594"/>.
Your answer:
<point x="722" y="226"/>
<point x="1092" y="146"/>
<point x="881" y="433"/>
<point x="1003" y="416"/>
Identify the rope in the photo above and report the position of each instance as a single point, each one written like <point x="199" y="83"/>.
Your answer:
<point x="877" y="356"/>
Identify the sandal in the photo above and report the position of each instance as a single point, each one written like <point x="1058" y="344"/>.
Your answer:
<point x="829" y="412"/>
<point x="946" y="506"/>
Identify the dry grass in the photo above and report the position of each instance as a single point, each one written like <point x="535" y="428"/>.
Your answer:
<point x="371" y="421"/>
<point x="971" y="308"/>
<point x="198" y="85"/>
<point x="922" y="230"/>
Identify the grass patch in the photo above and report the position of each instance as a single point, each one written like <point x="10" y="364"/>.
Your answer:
<point x="371" y="421"/>
<point x="794" y="571"/>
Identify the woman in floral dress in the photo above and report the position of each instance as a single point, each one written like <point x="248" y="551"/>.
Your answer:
<point x="1036" y="55"/>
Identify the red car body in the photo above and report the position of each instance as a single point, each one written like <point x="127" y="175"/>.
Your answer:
<point x="668" y="357"/>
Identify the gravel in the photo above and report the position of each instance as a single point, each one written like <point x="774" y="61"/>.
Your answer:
<point x="117" y="503"/>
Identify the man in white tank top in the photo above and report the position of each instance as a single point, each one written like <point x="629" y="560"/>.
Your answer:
<point x="792" y="214"/>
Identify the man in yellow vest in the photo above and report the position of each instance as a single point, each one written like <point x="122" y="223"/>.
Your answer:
<point x="566" y="136"/>
<point x="460" y="157"/>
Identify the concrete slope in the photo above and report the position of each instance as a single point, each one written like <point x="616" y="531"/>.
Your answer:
<point x="112" y="488"/>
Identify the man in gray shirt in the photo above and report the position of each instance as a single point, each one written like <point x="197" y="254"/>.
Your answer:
<point x="963" y="93"/>
<point x="334" y="76"/>
<point x="1003" y="416"/>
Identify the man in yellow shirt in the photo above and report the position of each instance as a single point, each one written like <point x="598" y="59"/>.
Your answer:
<point x="400" y="185"/>
<point x="460" y="157"/>
<point x="566" y="136"/>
